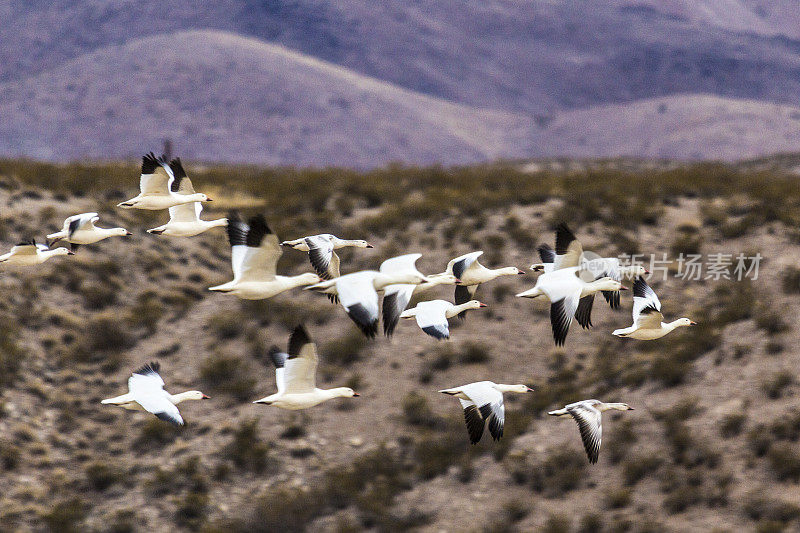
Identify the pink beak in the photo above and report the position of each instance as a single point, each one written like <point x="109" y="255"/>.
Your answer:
<point x="205" y="397"/>
<point x="483" y="305"/>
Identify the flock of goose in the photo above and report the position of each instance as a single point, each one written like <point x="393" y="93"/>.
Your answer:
<point x="568" y="280"/>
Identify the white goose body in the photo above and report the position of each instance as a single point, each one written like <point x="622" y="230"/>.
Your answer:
<point x="432" y="315"/>
<point x="254" y="258"/>
<point x="158" y="187"/>
<point x="396" y="297"/>
<point x="29" y="253"/>
<point x="648" y="322"/>
<point x="588" y="415"/>
<point x="80" y="229"/>
<point x="471" y="274"/>
<point x="146" y="393"/>
<point x="321" y="253"/>
<point x="482" y="401"/>
<point x="358" y="292"/>
<point x="184" y="219"/>
<point x="295" y="376"/>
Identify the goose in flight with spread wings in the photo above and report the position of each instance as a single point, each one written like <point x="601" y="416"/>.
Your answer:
<point x="569" y="253"/>
<point x="483" y="401"/>
<point x="158" y="187"/>
<point x="471" y="274"/>
<point x="80" y="229"/>
<point x="588" y="415"/>
<point x="358" y="292"/>
<point x="254" y="258"/>
<point x="321" y="252"/>
<point x="648" y="322"/>
<point x="295" y="375"/>
<point x="28" y="253"/>
<point x="396" y="298"/>
<point x="565" y="288"/>
<point x="146" y="393"/>
<point x="184" y="219"/>
<point x="432" y="315"/>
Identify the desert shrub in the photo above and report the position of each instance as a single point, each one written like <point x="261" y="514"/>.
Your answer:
<point x="769" y="526"/>
<point x="774" y="385"/>
<point x="623" y="435"/>
<point x="590" y="523"/>
<point x="284" y="508"/>
<point x="759" y="440"/>
<point x="687" y="242"/>
<point x="417" y="412"/>
<point x="556" y="524"/>
<point x="784" y="461"/>
<point x="97" y="296"/>
<point x="558" y="472"/>
<point x="65" y="516"/>
<point x="146" y="311"/>
<point x="617" y="498"/>
<point x="228" y="375"/>
<point x="770" y="321"/>
<point x="192" y="509"/>
<point x="122" y="521"/>
<point x="226" y="325"/>
<point x="104" y="337"/>
<point x="731" y="425"/>
<point x="790" y="280"/>
<point x="156" y="432"/>
<point x="10" y="455"/>
<point x="682" y="490"/>
<point x="435" y="453"/>
<point x="246" y="449"/>
<point x="12" y="354"/>
<point x="760" y="507"/>
<point x="346" y="349"/>
<point x="639" y="467"/>
<point x="471" y="352"/>
<point x="101" y="476"/>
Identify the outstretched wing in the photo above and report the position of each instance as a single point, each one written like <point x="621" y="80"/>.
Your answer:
<point x="358" y="296"/>
<point x="561" y="313"/>
<point x="568" y="249"/>
<point x="646" y="306"/>
<point x="461" y="264"/>
<point x="590" y="425"/>
<point x="156" y="176"/>
<point x="320" y="253"/>
<point x="489" y="402"/>
<point x="301" y="365"/>
<point x="395" y="301"/>
<point x="432" y="319"/>
<point x="147" y="389"/>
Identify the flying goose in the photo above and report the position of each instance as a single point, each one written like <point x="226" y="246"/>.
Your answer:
<point x="648" y="322"/>
<point x="565" y="288"/>
<point x="28" y="253"/>
<point x="569" y="253"/>
<point x="146" y="393"/>
<point x="159" y="187"/>
<point x="588" y="415"/>
<point x="295" y="375"/>
<point x="254" y="257"/>
<point x="396" y="298"/>
<point x="481" y="401"/>
<point x="358" y="292"/>
<point x="184" y="219"/>
<point x="432" y="315"/>
<point x="471" y="273"/>
<point x="80" y="229"/>
<point x="321" y="253"/>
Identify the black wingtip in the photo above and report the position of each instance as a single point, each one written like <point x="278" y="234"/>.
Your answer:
<point x="149" y="163"/>
<point x="277" y="356"/>
<point x="435" y="332"/>
<point x="258" y="229"/>
<point x="149" y="368"/>
<point x="364" y="320"/>
<point x="177" y="168"/>
<point x="237" y="229"/>
<point x="546" y="253"/>
<point x="640" y="287"/>
<point x="298" y="339"/>
<point x="564" y="237"/>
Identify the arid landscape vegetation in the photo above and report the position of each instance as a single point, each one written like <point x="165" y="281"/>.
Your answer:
<point x="712" y="444"/>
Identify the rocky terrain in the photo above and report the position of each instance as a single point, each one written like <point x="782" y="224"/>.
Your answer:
<point x="712" y="444"/>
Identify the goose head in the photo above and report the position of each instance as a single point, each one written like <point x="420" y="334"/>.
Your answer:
<point x="683" y="322"/>
<point x="359" y="243"/>
<point x="513" y="388"/>
<point x="121" y="232"/>
<point x="198" y="197"/>
<point x="346" y="392"/>
<point x="473" y="304"/>
<point x="189" y="395"/>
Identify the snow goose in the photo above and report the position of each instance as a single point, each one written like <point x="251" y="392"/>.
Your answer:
<point x="483" y="401"/>
<point x="254" y="258"/>
<point x="358" y="292"/>
<point x="28" y="253"/>
<point x="321" y="253"/>
<point x="588" y="415"/>
<point x="159" y="187"/>
<point x="569" y="253"/>
<point x="146" y="393"/>
<point x="80" y="229"/>
<point x="295" y="376"/>
<point x="565" y="288"/>
<point x="471" y="273"/>
<point x="432" y="315"/>
<point x="396" y="298"/>
<point x="184" y="219"/>
<point x="648" y="322"/>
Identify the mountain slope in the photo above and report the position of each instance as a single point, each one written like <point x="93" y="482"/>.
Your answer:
<point x="221" y="96"/>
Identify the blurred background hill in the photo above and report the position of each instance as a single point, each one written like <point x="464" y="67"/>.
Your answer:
<point x="363" y="83"/>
